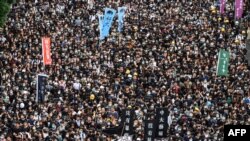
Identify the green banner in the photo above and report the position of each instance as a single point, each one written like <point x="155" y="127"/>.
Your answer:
<point x="223" y="63"/>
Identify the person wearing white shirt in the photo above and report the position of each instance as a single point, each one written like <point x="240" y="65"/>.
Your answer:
<point x="248" y="33"/>
<point x="77" y="85"/>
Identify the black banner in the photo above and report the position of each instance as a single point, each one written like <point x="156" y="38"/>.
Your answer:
<point x="128" y="121"/>
<point x="41" y="87"/>
<point x="114" y="130"/>
<point x="161" y="122"/>
<point x="149" y="130"/>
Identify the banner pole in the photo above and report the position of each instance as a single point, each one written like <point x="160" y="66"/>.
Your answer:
<point x="123" y="128"/>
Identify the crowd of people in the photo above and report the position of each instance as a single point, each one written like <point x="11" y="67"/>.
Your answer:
<point x="166" y="56"/>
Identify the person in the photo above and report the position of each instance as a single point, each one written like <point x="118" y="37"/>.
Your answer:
<point x="165" y="56"/>
<point x="248" y="33"/>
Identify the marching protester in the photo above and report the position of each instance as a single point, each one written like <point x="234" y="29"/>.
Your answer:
<point x="165" y="56"/>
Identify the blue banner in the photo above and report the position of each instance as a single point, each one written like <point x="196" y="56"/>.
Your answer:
<point x="100" y="26"/>
<point x="40" y="87"/>
<point x="121" y="13"/>
<point x="107" y="21"/>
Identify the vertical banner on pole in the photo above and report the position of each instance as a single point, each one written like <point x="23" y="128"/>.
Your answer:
<point x="222" y="6"/>
<point x="238" y="8"/>
<point x="46" y="51"/>
<point x="107" y="21"/>
<point x="149" y="130"/>
<point x="128" y="121"/>
<point x="40" y="87"/>
<point x="161" y="122"/>
<point x="223" y="63"/>
<point x="100" y="17"/>
<point x="121" y="13"/>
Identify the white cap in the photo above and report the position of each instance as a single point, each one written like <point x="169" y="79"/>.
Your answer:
<point x="21" y="105"/>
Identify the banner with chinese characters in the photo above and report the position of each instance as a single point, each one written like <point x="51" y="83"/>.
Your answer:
<point x="100" y="17"/>
<point x="121" y="13"/>
<point x="222" y="6"/>
<point x="223" y="63"/>
<point x="128" y="121"/>
<point x="238" y="8"/>
<point x="46" y="51"/>
<point x="107" y="21"/>
<point x="161" y="122"/>
<point x="41" y="87"/>
<point x="149" y="130"/>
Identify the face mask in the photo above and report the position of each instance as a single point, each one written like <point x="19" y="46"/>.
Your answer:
<point x="82" y="122"/>
<point x="208" y="118"/>
<point x="100" y="121"/>
<point x="217" y="115"/>
<point x="191" y="115"/>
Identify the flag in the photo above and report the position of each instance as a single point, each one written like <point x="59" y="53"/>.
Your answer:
<point x="238" y="8"/>
<point x="161" y="122"/>
<point x="46" y="51"/>
<point x="223" y="63"/>
<point x="222" y="6"/>
<point x="107" y="21"/>
<point x="121" y="13"/>
<point x="40" y="87"/>
<point x="100" y="17"/>
<point x="149" y="130"/>
<point x="128" y="121"/>
<point x="113" y="130"/>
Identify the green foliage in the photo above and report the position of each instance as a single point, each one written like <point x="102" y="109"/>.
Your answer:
<point x="8" y="1"/>
<point x="2" y="20"/>
<point x="4" y="10"/>
<point x="11" y="1"/>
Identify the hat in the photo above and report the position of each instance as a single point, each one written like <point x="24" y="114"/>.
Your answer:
<point x="135" y="73"/>
<point x="237" y="41"/>
<point x="92" y="97"/>
<point x="21" y="105"/>
<point x="127" y="71"/>
<point x="196" y="109"/>
<point x="129" y="106"/>
<point x="212" y="7"/>
<point x="222" y="29"/>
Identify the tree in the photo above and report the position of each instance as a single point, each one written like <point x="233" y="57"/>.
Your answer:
<point x="4" y="10"/>
<point x="11" y="1"/>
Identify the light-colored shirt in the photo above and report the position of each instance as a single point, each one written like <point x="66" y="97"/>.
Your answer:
<point x="77" y="86"/>
<point x="248" y="34"/>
